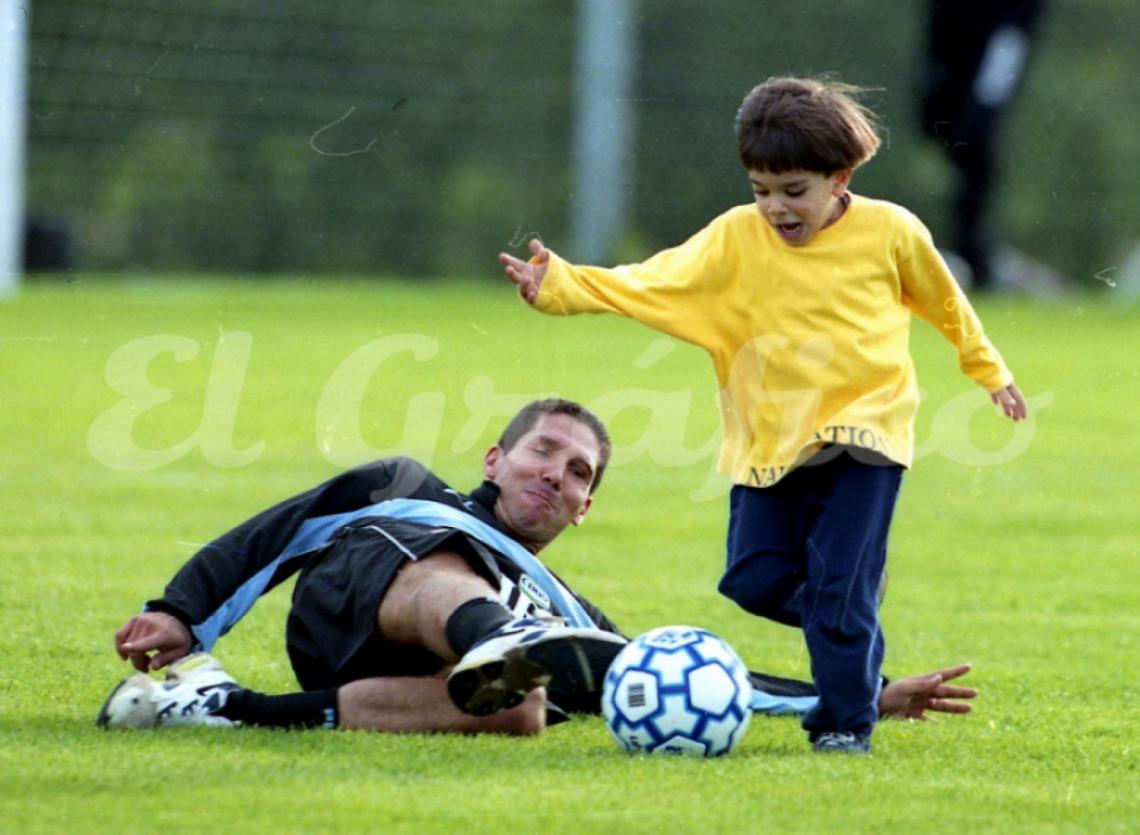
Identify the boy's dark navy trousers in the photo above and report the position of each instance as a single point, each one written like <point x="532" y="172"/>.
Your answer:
<point x="809" y="551"/>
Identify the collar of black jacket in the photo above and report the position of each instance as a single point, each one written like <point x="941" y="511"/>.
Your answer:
<point x="485" y="495"/>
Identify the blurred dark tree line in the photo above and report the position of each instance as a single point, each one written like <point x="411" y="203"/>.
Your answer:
<point x="421" y="138"/>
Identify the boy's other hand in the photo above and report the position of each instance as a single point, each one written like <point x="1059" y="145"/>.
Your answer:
<point x="1011" y="401"/>
<point x="528" y="275"/>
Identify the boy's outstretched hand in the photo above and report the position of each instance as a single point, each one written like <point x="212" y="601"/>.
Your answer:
<point x="911" y="697"/>
<point x="528" y="275"/>
<point x="1011" y="402"/>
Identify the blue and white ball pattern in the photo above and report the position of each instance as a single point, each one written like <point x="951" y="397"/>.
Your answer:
<point x="677" y="690"/>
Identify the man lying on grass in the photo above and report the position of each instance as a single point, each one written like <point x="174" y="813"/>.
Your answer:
<point x="418" y="608"/>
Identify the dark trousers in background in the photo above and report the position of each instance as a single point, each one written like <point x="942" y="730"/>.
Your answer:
<point x="809" y="551"/>
<point x="974" y="65"/>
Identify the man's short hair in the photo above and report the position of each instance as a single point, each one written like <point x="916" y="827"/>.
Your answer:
<point x="805" y="124"/>
<point x="530" y="414"/>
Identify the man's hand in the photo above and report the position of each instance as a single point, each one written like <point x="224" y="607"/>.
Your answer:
<point x="528" y="275"/>
<point x="1011" y="401"/>
<point x="164" y="635"/>
<point x="910" y="698"/>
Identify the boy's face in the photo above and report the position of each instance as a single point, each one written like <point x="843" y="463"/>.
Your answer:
<point x="799" y="203"/>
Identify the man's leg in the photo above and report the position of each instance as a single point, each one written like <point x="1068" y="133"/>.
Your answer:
<point x="432" y="610"/>
<point x="394" y="704"/>
<point x="422" y="705"/>
<point x="197" y="691"/>
<point x="438" y="602"/>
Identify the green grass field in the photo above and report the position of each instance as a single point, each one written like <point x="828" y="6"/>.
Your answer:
<point x="140" y="420"/>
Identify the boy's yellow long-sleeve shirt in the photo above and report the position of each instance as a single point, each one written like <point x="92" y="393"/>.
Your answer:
<point x="810" y="344"/>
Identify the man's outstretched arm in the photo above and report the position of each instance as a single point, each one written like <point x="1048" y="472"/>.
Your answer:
<point x="907" y="698"/>
<point x="910" y="698"/>
<point x="246" y="560"/>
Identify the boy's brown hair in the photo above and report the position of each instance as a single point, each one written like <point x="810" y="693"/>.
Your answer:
<point x="807" y="124"/>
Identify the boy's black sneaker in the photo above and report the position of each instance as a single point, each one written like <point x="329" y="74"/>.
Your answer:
<point x="841" y="742"/>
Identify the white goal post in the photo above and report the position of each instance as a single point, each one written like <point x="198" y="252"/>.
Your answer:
<point x="13" y="104"/>
<point x="603" y="126"/>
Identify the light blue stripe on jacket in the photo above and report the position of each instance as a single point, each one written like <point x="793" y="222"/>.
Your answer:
<point x="318" y="531"/>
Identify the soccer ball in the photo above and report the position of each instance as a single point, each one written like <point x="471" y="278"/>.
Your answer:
<point x="677" y="690"/>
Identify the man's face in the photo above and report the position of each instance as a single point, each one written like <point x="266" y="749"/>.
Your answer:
<point x="799" y="203"/>
<point x="544" y="480"/>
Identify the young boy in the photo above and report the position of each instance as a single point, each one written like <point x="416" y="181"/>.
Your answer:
<point x="804" y="307"/>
